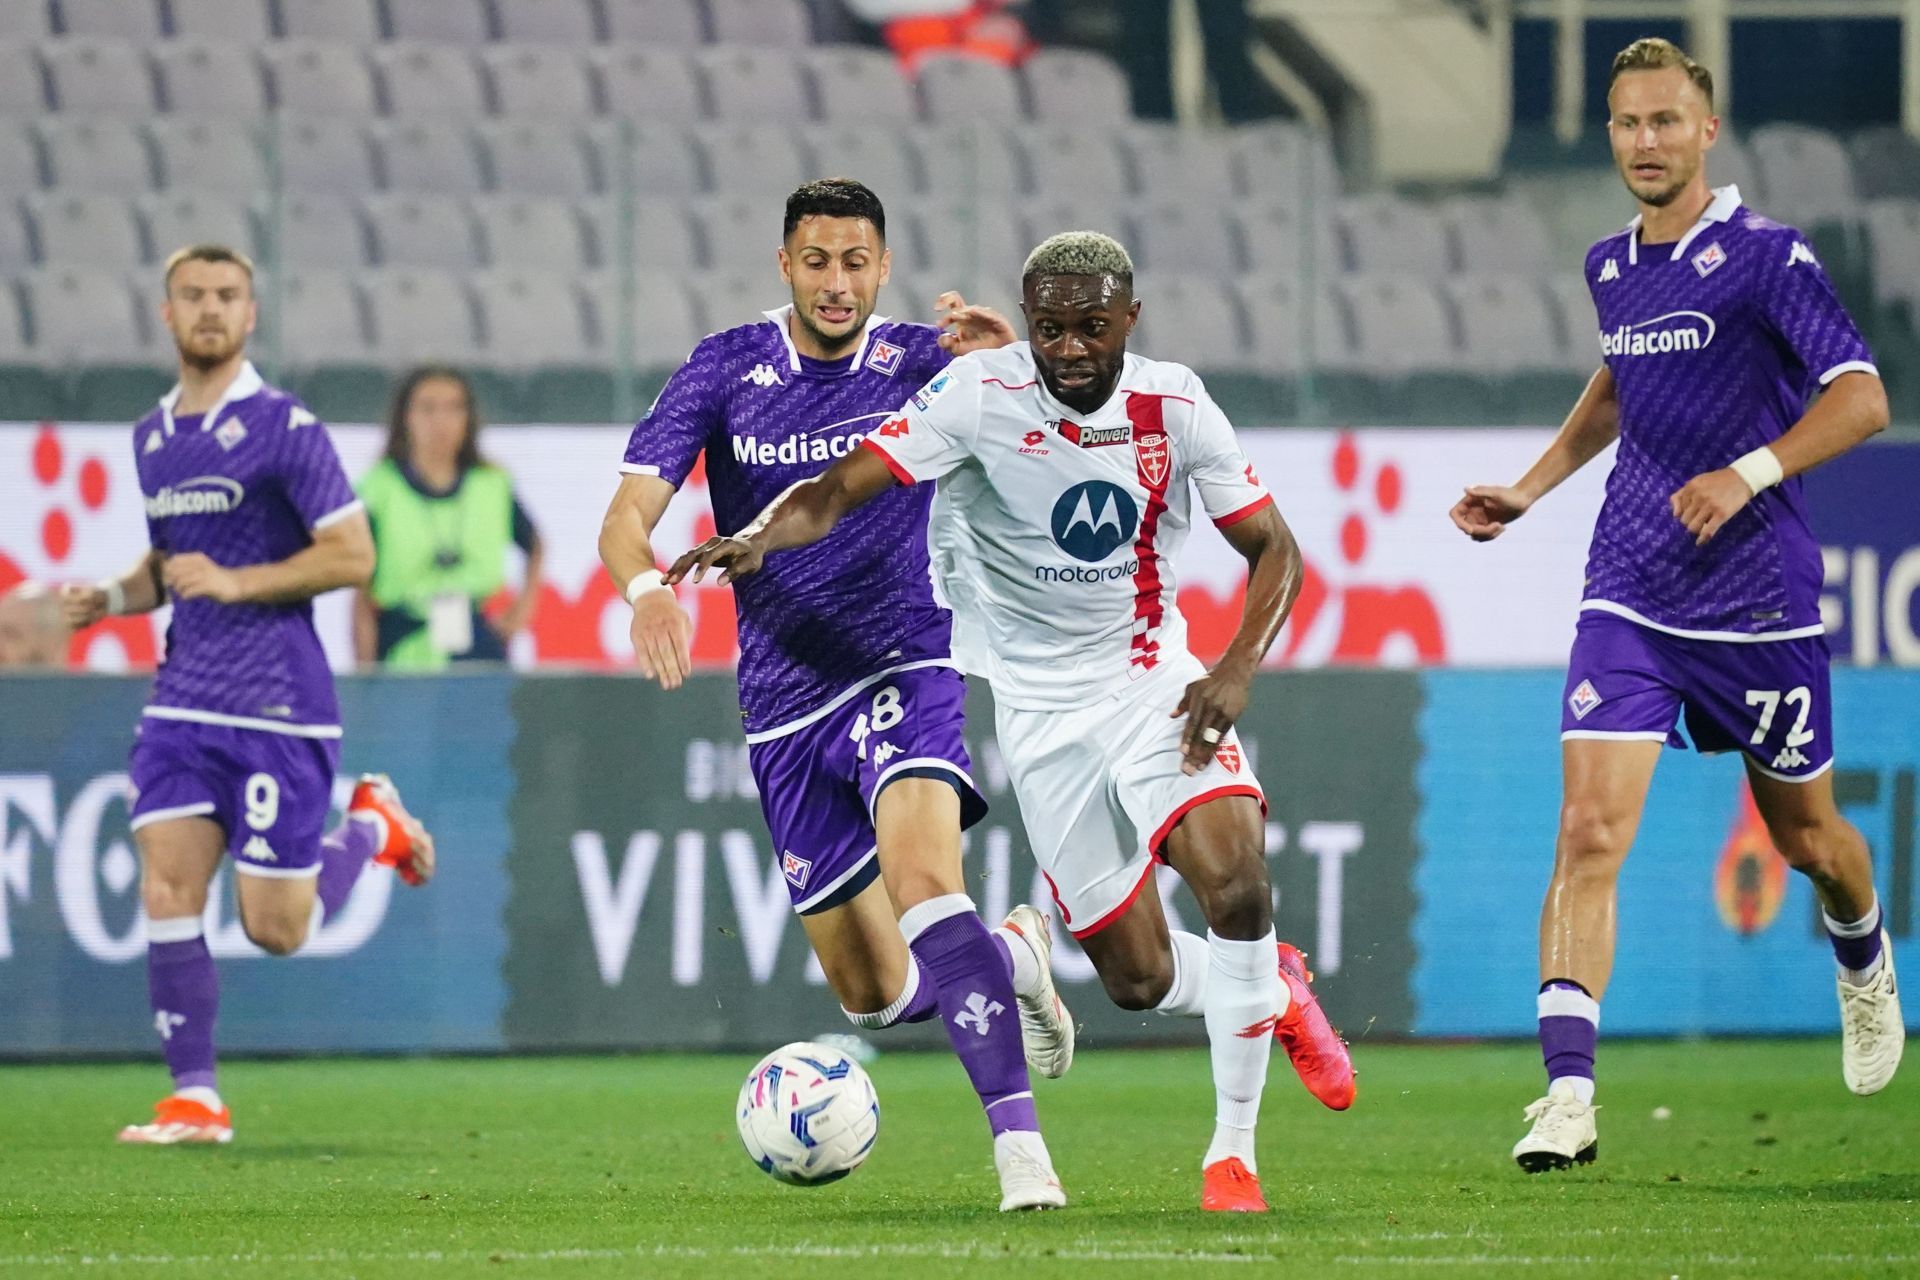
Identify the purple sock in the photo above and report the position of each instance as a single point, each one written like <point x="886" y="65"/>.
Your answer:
<point x="184" y="991"/>
<point x="343" y="856"/>
<point x="956" y="953"/>
<point x="1857" y="945"/>
<point x="1569" y="1030"/>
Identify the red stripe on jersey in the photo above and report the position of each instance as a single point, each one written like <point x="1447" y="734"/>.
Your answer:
<point x="1235" y="517"/>
<point x="1145" y="411"/>
<point x="899" y="472"/>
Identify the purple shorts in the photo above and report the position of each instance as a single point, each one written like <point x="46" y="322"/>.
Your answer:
<point x="271" y="791"/>
<point x="1768" y="698"/>
<point x="819" y="778"/>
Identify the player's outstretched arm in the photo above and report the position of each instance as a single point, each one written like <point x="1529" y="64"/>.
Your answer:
<point x="1213" y="703"/>
<point x="662" y="632"/>
<point x="137" y="590"/>
<point x="340" y="555"/>
<point x="965" y="328"/>
<point x="1852" y="409"/>
<point x="803" y="515"/>
<point x="1486" y="510"/>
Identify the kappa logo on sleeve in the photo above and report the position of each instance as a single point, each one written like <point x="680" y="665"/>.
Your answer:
<point x="1609" y="272"/>
<point x="1800" y="253"/>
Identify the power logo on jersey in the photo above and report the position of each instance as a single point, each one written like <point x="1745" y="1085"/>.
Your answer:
<point x="1094" y="519"/>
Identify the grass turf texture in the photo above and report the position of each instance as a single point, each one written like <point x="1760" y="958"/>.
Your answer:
<point x="589" y="1167"/>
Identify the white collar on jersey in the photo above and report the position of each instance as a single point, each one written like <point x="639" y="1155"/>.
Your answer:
<point x="247" y="382"/>
<point x="1725" y="200"/>
<point x="782" y="318"/>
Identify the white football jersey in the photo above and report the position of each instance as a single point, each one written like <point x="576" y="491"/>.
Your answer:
<point x="1054" y="533"/>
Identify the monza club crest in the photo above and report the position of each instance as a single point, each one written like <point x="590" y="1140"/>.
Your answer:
<point x="1155" y="457"/>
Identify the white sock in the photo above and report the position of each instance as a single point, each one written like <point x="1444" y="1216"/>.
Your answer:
<point x="1582" y="1087"/>
<point x="884" y="1018"/>
<point x="208" y="1098"/>
<point x="1187" y="997"/>
<point x="1241" y="997"/>
<point x="1026" y="965"/>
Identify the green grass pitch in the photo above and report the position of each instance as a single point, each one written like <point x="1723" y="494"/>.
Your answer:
<point x="592" y="1167"/>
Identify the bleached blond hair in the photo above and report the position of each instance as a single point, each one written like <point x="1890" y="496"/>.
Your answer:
<point x="1079" y="253"/>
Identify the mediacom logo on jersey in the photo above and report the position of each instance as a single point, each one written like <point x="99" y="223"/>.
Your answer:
<point x="1644" y="339"/>
<point x="752" y="450"/>
<point x="200" y="496"/>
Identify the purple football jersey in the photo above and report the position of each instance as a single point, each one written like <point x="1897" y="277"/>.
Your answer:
<point x="1716" y="343"/>
<point x="245" y="484"/>
<point x="817" y="619"/>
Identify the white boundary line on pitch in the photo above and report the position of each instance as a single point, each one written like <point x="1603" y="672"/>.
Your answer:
<point x="464" y="1256"/>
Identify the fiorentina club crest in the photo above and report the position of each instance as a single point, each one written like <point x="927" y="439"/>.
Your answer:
<point x="1708" y="259"/>
<point x="1154" y="456"/>
<point x="884" y="357"/>
<point x="795" y="868"/>
<point x="1229" y="755"/>
<point x="230" y="433"/>
<point x="1583" y="699"/>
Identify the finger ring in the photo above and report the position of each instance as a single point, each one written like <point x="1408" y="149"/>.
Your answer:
<point x="1209" y="735"/>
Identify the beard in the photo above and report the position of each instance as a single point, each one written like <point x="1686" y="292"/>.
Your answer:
<point x="205" y="351"/>
<point x="831" y="341"/>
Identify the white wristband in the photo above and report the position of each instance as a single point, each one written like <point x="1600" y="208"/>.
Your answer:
<point x="116" y="596"/>
<point x="1760" y="469"/>
<point x="649" y="580"/>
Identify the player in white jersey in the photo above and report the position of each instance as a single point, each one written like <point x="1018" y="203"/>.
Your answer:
<point x="1064" y="466"/>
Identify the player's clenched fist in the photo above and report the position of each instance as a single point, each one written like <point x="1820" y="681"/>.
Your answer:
<point x="734" y="557"/>
<point x="192" y="576"/>
<point x="81" y="606"/>
<point x="1708" y="501"/>
<point x="1486" y="510"/>
<point x="662" y="637"/>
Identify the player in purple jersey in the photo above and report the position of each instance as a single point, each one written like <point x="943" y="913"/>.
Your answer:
<point x="1729" y="368"/>
<point x="852" y="703"/>
<point x="249" y="516"/>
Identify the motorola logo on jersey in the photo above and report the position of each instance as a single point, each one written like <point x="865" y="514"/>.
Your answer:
<point x="1662" y="335"/>
<point x="1093" y="519"/>
<point x="200" y="496"/>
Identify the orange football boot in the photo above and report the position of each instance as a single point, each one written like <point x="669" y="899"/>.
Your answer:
<point x="407" y="847"/>
<point x="1316" y="1050"/>
<point x="179" y="1120"/>
<point x="1228" y="1186"/>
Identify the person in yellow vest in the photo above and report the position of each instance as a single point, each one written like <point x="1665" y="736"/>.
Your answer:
<point x="443" y="518"/>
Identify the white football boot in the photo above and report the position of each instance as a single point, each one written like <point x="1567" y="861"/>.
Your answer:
<point x="1872" y="1033"/>
<point x="1027" y="1179"/>
<point x="1046" y="1028"/>
<point x="1563" y="1132"/>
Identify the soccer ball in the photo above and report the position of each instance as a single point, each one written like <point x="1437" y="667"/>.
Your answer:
<point x="808" y="1114"/>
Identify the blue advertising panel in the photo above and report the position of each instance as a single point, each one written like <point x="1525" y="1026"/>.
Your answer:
<point x="1867" y="518"/>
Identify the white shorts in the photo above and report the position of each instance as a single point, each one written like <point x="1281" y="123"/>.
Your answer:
<point x="1100" y="787"/>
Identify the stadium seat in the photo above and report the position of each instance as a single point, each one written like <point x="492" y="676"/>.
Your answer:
<point x="323" y="154"/>
<point x="137" y="21"/>
<point x="1042" y="218"/>
<point x="1385" y="234"/>
<point x="82" y="315"/>
<point x="647" y="159"/>
<point x="536" y="158"/>
<point x="1169" y="162"/>
<point x="1192" y="320"/>
<point x="727" y="299"/>
<point x="659" y="86"/>
<point x="563" y="22"/>
<point x="1284" y="164"/>
<point x="21" y="89"/>
<point x="1065" y="161"/>
<point x="19" y="158"/>
<point x="321" y="320"/>
<point x="1192" y="237"/>
<point x="430" y="80"/>
<point x="665" y="321"/>
<point x="1807" y="174"/>
<point x="1731" y="162"/>
<point x="98" y="155"/>
<point x="243" y="22"/>
<point x="963" y="162"/>
<point x="1579" y="327"/>
<point x="766" y="161"/>
<point x="531" y="318"/>
<point x="1286" y="240"/>
<point x="956" y="88"/>
<point x="664" y="239"/>
<point x="749" y="85"/>
<point x="536" y="80"/>
<point x="741" y="236"/>
<point x="453" y="22"/>
<point x="14" y="348"/>
<point x="221" y="154"/>
<point x="16" y="241"/>
<point x="530" y="234"/>
<point x="1399" y="324"/>
<point x="317" y="230"/>
<point x="1893" y="231"/>
<point x="1886" y="163"/>
<point x="881" y="158"/>
<point x="348" y="21"/>
<point x="672" y="24"/>
<point x="428" y="155"/>
<point x="318" y="78"/>
<point x="1499" y="236"/>
<point x="104" y="76"/>
<point x="30" y="21"/>
<point x="177" y="220"/>
<point x="860" y="86"/>
<point x="419" y="315"/>
<point x="421" y="231"/>
<point x="781" y="24"/>
<point x="1505" y="323"/>
<point x="209" y="78"/>
<point x="1284" y="335"/>
<point x="1076" y="87"/>
<point x="974" y="247"/>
